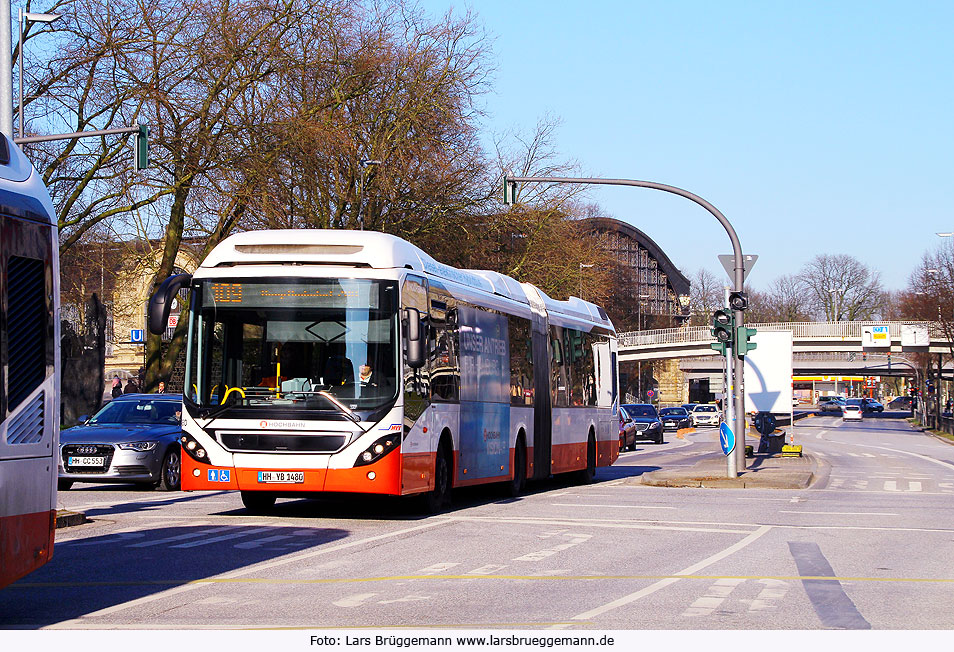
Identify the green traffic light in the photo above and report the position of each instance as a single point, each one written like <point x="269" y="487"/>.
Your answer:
<point x="141" y="148"/>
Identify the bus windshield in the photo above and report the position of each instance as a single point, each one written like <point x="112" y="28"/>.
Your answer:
<point x="293" y="344"/>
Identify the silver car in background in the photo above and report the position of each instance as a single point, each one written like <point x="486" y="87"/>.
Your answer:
<point x="133" y="438"/>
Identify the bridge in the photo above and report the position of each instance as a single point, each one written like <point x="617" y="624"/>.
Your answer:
<point x="820" y="345"/>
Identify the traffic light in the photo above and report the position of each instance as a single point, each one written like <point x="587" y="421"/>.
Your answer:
<point x="509" y="191"/>
<point x="743" y="343"/>
<point x="723" y="325"/>
<point x="738" y="300"/>
<point x="141" y="148"/>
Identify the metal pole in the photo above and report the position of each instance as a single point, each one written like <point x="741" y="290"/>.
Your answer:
<point x="6" y="73"/>
<point x="738" y="276"/>
<point x="20" y="67"/>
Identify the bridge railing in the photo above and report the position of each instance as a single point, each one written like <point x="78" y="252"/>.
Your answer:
<point x="809" y="330"/>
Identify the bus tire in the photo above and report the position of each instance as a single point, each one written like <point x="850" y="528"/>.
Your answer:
<point x="258" y="502"/>
<point x="440" y="495"/>
<point x="588" y="475"/>
<point x="519" y="481"/>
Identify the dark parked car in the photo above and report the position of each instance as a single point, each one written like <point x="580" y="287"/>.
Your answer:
<point x="648" y="425"/>
<point x="674" y="418"/>
<point x="627" y="431"/>
<point x="900" y="403"/>
<point x="133" y="438"/>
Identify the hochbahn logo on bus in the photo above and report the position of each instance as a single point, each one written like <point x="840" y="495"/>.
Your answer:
<point x="287" y="425"/>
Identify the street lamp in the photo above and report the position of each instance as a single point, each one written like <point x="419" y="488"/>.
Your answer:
<point x="26" y="18"/>
<point x="582" y="267"/>
<point x="365" y="164"/>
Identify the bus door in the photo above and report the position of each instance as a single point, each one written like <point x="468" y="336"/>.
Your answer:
<point x="542" y="408"/>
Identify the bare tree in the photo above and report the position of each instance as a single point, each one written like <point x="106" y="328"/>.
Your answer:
<point x="706" y="295"/>
<point x="784" y="301"/>
<point x="840" y="287"/>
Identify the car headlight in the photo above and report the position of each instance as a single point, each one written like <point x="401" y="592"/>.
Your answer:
<point x="654" y="424"/>
<point x="141" y="446"/>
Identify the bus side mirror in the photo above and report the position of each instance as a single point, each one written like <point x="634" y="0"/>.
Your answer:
<point x="160" y="303"/>
<point x="415" y="341"/>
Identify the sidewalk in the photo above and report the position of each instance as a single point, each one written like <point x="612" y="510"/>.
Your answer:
<point x="762" y="472"/>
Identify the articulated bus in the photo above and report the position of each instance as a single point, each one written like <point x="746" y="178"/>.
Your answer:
<point x="29" y="363"/>
<point x="352" y="361"/>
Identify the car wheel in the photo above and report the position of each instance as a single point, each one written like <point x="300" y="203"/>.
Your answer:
<point x="170" y="473"/>
<point x="258" y="502"/>
<point x="659" y="439"/>
<point x="64" y="485"/>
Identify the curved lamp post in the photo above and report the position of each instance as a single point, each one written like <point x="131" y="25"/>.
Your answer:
<point x="738" y="278"/>
<point x="25" y="18"/>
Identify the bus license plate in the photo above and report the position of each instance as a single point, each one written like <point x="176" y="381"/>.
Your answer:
<point x="85" y="461"/>
<point x="283" y="477"/>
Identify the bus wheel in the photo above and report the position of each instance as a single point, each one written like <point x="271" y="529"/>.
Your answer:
<point x="519" y="482"/>
<point x="258" y="502"/>
<point x="435" y="499"/>
<point x="588" y="475"/>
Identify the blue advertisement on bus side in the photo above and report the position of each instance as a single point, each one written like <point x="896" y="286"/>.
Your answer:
<point x="484" y="395"/>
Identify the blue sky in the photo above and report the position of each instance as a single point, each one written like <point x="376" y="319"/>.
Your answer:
<point x="820" y="127"/>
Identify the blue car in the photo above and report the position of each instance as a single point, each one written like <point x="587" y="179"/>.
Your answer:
<point x="134" y="438"/>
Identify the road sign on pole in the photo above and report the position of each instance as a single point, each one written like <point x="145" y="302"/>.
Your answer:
<point x="137" y="335"/>
<point x="726" y="438"/>
<point x="728" y="264"/>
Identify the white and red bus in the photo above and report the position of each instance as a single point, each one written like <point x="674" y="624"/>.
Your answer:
<point x="29" y="363"/>
<point x="352" y="361"/>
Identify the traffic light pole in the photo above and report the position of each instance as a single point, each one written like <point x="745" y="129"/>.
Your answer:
<point x="738" y="279"/>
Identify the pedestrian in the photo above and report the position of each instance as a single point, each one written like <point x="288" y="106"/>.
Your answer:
<point x="131" y="387"/>
<point x="162" y="387"/>
<point x="117" y="390"/>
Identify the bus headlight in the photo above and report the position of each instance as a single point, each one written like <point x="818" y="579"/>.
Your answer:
<point x="379" y="449"/>
<point x="193" y="449"/>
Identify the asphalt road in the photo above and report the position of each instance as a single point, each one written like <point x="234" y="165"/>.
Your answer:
<point x="869" y="545"/>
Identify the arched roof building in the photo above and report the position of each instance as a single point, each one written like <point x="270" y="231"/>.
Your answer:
<point x="660" y="293"/>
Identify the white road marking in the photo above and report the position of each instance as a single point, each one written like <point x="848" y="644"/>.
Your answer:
<point x="434" y="569"/>
<point x="616" y="506"/>
<point x="890" y="485"/>
<point x="923" y="457"/>
<point x="715" y="596"/>
<point x="488" y="569"/>
<point x="225" y="537"/>
<point x="914" y="485"/>
<point x="408" y="598"/>
<point x="256" y="543"/>
<point x="769" y="596"/>
<point x="180" y="537"/>
<point x="783" y="511"/>
<point x="247" y="570"/>
<point x="575" y="540"/>
<point x="354" y="600"/>
<point x="652" y="588"/>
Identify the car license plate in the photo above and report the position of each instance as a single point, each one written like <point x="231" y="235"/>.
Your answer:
<point x="85" y="461"/>
<point x="283" y="477"/>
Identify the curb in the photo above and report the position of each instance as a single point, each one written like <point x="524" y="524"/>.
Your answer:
<point x="66" y="518"/>
<point x="705" y="476"/>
